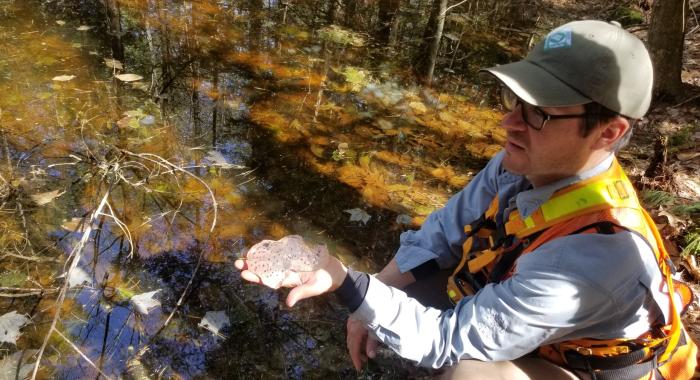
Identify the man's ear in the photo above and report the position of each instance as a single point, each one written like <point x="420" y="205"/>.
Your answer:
<point x="610" y="132"/>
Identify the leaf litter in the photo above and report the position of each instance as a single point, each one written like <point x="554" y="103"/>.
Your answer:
<point x="144" y="302"/>
<point x="215" y="321"/>
<point x="279" y="262"/>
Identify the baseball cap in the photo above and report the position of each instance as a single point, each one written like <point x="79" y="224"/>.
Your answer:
<point x="582" y="62"/>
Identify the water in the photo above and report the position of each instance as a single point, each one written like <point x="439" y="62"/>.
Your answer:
<point x="306" y="122"/>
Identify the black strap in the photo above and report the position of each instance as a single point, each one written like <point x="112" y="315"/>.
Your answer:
<point x="579" y="361"/>
<point x="605" y="227"/>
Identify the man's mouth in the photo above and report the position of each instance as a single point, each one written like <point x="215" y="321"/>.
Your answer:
<point x="512" y="144"/>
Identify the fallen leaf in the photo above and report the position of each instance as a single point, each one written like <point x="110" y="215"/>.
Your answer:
<point x="10" y="323"/>
<point x="78" y="276"/>
<point x="128" y="77"/>
<point x="358" y="215"/>
<point x="9" y="364"/>
<point x="113" y="64"/>
<point x="279" y="262"/>
<point x="215" y="321"/>
<point x="60" y="22"/>
<point x="217" y="159"/>
<point x="72" y="224"/>
<point x="83" y="28"/>
<point x="144" y="302"/>
<point x="47" y="197"/>
<point x="404" y="219"/>
<point x="63" y="78"/>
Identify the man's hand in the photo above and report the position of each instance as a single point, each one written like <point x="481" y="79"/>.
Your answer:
<point x="327" y="278"/>
<point x="360" y="345"/>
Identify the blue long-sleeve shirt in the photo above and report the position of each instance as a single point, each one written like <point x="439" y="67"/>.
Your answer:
<point x="577" y="286"/>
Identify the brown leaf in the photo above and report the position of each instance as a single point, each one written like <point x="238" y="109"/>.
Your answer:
<point x="44" y="198"/>
<point x="128" y="77"/>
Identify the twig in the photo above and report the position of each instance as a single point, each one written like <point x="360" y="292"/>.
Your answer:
<point x="81" y="354"/>
<point x="28" y="258"/>
<point x="450" y="7"/>
<point x="686" y="101"/>
<point x="74" y="258"/>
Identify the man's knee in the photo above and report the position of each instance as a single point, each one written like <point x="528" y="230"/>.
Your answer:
<point x="528" y="368"/>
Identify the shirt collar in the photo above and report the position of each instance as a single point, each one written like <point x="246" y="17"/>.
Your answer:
<point x="530" y="200"/>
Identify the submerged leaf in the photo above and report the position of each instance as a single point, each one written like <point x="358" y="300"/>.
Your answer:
<point x="60" y="22"/>
<point x="144" y="302"/>
<point x="72" y="224"/>
<point x="215" y="321"/>
<point x="83" y="28"/>
<point x="9" y="364"/>
<point x="10" y="323"/>
<point x="218" y="159"/>
<point x="47" y="197"/>
<point x="128" y="77"/>
<point x="277" y="263"/>
<point x="63" y="78"/>
<point x="358" y="215"/>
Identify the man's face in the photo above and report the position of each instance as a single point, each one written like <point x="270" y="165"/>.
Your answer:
<point x="556" y="151"/>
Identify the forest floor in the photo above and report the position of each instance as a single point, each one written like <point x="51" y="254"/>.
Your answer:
<point x="675" y="163"/>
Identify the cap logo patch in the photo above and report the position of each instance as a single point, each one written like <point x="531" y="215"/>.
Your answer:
<point x="558" y="39"/>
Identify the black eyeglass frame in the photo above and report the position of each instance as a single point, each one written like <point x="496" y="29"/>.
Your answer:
<point x="510" y="101"/>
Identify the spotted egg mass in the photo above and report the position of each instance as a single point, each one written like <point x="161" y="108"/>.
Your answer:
<point x="276" y="260"/>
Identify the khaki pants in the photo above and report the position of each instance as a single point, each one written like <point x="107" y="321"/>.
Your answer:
<point x="525" y="368"/>
<point x="432" y="292"/>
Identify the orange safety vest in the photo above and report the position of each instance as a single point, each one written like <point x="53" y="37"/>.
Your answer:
<point x="605" y="203"/>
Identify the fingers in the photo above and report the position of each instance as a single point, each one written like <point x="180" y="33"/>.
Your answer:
<point x="240" y="264"/>
<point x="304" y="291"/>
<point x="250" y="276"/>
<point x="357" y="339"/>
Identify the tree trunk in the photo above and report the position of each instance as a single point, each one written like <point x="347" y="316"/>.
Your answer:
<point x="115" y="29"/>
<point x="387" y="13"/>
<point x="331" y="12"/>
<point x="350" y="13"/>
<point x="666" y="34"/>
<point x="428" y="51"/>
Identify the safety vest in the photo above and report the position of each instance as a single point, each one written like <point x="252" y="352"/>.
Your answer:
<point x="606" y="203"/>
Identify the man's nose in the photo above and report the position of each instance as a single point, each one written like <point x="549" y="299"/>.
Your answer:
<point x="514" y="120"/>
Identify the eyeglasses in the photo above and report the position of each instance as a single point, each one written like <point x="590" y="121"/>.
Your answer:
<point x="533" y="116"/>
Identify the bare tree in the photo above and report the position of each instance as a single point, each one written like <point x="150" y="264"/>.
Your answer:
<point x="428" y="51"/>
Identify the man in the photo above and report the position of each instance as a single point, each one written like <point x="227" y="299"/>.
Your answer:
<point x="561" y="273"/>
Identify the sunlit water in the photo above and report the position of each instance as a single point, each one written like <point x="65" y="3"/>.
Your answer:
<point x="284" y="128"/>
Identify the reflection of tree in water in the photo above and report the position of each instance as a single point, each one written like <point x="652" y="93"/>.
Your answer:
<point x="321" y="126"/>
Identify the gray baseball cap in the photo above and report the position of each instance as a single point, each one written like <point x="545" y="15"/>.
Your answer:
<point x="582" y="62"/>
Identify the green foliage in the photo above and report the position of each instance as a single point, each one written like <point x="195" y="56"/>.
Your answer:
<point x="682" y="137"/>
<point x="687" y="210"/>
<point x="692" y="244"/>
<point x="657" y="198"/>
<point x="341" y="36"/>
<point x="627" y="16"/>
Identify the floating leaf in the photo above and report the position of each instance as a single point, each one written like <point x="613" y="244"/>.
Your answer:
<point x="9" y="364"/>
<point x="128" y="77"/>
<point x="278" y="262"/>
<point x="215" y="321"/>
<point x="72" y="224"/>
<point x="63" y="78"/>
<point x="144" y="302"/>
<point x="403" y="219"/>
<point x="83" y="28"/>
<point x="113" y="64"/>
<point x="218" y="159"/>
<point x="60" y="22"/>
<point x="78" y="277"/>
<point x="10" y="324"/>
<point x="358" y="215"/>
<point x="47" y="197"/>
